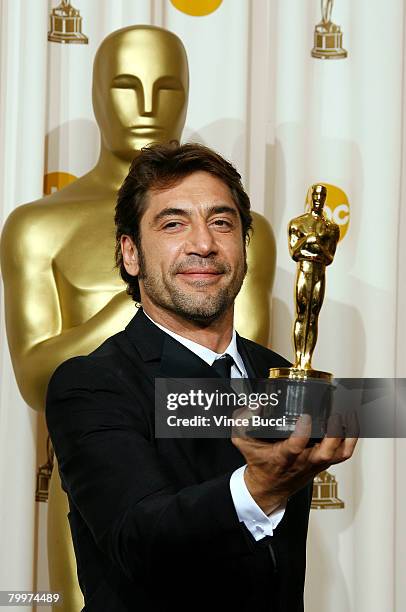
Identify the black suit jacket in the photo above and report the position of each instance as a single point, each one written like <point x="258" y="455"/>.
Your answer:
<point x="153" y="523"/>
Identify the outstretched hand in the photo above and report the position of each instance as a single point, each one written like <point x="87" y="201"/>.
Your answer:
<point x="277" y="470"/>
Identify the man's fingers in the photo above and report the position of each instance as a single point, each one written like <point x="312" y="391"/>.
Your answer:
<point x="337" y="446"/>
<point x="351" y="424"/>
<point x="242" y="423"/>
<point x="333" y="450"/>
<point x="348" y="448"/>
<point x="297" y="442"/>
<point x="238" y="430"/>
<point x="240" y="413"/>
<point x="303" y="427"/>
<point x="326" y="451"/>
<point x="335" y="427"/>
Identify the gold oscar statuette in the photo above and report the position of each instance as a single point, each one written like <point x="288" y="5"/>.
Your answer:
<point x="65" y="25"/>
<point x="302" y="390"/>
<point x="328" y="37"/>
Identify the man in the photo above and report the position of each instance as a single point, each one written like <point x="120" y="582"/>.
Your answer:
<point x="180" y="524"/>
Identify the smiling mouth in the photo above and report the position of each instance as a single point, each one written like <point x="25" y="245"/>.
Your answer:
<point x="200" y="274"/>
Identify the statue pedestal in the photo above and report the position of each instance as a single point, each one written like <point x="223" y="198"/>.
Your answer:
<point x="325" y="493"/>
<point x="66" y="25"/>
<point x="328" y="42"/>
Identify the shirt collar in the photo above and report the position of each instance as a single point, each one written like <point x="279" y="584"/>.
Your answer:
<point x="205" y="353"/>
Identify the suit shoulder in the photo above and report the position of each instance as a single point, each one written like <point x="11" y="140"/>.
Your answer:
<point x="89" y="371"/>
<point x="76" y="372"/>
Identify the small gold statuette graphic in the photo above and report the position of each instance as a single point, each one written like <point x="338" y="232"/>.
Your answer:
<point x="328" y="37"/>
<point x="66" y="25"/>
<point x="325" y="492"/>
<point x="44" y="475"/>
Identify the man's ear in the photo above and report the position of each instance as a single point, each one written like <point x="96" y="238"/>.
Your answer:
<point x="130" y="255"/>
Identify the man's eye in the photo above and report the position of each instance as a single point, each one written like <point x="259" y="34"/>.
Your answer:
<point x="223" y="223"/>
<point x="172" y="225"/>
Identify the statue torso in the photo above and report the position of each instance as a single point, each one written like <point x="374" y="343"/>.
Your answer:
<point x="79" y="233"/>
<point x="83" y="267"/>
<point x="318" y="236"/>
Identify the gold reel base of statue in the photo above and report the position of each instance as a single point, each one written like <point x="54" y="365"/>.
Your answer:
<point x="68" y="39"/>
<point x="298" y="374"/>
<point x="329" y="55"/>
<point x="327" y="504"/>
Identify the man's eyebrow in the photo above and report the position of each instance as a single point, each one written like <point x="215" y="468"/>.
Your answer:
<point x="169" y="212"/>
<point x="223" y="208"/>
<point x="186" y="212"/>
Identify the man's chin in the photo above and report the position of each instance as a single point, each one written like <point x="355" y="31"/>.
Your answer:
<point x="201" y="311"/>
<point x="202" y="317"/>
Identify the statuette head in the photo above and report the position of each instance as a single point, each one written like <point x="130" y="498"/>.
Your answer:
<point x="319" y="194"/>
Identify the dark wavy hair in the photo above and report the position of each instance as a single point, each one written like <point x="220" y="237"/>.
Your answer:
<point x="160" y="166"/>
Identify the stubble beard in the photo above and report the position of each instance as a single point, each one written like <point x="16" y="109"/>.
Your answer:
<point x="193" y="305"/>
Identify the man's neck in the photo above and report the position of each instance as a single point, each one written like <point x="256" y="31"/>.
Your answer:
<point x="215" y="335"/>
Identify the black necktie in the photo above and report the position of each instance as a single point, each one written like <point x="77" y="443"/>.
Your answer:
<point x="223" y="365"/>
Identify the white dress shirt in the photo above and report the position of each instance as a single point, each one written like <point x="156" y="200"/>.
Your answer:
<point x="258" y="523"/>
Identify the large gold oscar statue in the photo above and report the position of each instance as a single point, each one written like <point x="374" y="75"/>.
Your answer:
<point x="63" y="296"/>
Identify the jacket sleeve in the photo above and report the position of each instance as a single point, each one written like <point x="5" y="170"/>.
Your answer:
<point x="117" y="481"/>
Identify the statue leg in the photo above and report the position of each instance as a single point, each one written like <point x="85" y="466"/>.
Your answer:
<point x="300" y="324"/>
<point x="317" y="297"/>
<point x="61" y="557"/>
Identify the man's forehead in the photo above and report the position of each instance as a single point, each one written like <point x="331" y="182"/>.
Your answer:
<point x="197" y="191"/>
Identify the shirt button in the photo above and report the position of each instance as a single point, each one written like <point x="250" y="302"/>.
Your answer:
<point x="259" y="528"/>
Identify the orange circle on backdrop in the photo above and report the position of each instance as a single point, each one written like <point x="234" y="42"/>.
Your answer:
<point x="337" y="206"/>
<point x="197" y="8"/>
<point x="54" y="181"/>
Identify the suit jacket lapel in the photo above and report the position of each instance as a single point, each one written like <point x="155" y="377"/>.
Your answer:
<point x="255" y="364"/>
<point x="177" y="361"/>
<point x="173" y="360"/>
<point x="154" y="345"/>
<point x="145" y="337"/>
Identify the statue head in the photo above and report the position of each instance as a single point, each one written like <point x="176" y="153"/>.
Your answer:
<point x="140" y="88"/>
<point x="319" y="193"/>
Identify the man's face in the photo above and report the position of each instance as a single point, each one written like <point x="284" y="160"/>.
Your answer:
<point x="192" y="259"/>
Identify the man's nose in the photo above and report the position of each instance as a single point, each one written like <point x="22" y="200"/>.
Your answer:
<point x="200" y="240"/>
